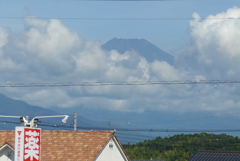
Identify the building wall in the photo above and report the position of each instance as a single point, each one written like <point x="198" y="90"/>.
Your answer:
<point x="112" y="152"/>
<point x="6" y="154"/>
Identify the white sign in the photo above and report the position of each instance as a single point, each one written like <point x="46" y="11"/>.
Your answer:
<point x="27" y="144"/>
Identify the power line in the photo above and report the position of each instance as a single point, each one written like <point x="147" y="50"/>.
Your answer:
<point x="125" y="83"/>
<point x="136" y="135"/>
<point x="121" y="19"/>
<point x="152" y="130"/>
<point x="135" y="129"/>
<point x="200" y="138"/>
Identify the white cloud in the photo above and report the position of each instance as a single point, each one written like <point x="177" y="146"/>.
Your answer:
<point x="3" y="37"/>
<point x="219" y="32"/>
<point x="47" y="51"/>
<point x="215" y="51"/>
<point x="49" y="39"/>
<point x="56" y="97"/>
<point x="164" y="71"/>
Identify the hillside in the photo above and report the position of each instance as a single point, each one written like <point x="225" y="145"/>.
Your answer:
<point x="11" y="107"/>
<point x="142" y="46"/>
<point x="181" y="147"/>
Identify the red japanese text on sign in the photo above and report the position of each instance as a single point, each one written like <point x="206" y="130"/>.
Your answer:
<point x="32" y="144"/>
<point x="28" y="144"/>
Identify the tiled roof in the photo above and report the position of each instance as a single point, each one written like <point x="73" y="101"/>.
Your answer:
<point x="66" y="145"/>
<point x="7" y="137"/>
<point x="216" y="156"/>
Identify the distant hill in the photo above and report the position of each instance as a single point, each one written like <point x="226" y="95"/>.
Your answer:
<point x="127" y="124"/>
<point x="182" y="146"/>
<point x="11" y="107"/>
<point x="142" y="46"/>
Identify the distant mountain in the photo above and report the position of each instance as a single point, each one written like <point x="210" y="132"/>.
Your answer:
<point x="127" y="124"/>
<point x="11" y="107"/>
<point x="142" y="46"/>
<point x="131" y="124"/>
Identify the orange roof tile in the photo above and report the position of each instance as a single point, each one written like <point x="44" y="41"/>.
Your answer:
<point x="66" y="145"/>
<point x="7" y="137"/>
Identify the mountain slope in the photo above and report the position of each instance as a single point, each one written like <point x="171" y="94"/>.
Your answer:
<point x="128" y="125"/>
<point x="142" y="46"/>
<point x="11" y="107"/>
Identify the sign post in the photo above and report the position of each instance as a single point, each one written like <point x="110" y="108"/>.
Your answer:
<point x="27" y="144"/>
<point x="28" y="138"/>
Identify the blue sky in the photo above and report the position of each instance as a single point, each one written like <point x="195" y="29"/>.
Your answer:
<point x="167" y="34"/>
<point x="59" y="41"/>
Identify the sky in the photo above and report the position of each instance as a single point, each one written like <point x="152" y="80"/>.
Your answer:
<point x="59" y="41"/>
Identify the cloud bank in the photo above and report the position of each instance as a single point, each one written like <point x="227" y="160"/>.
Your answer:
<point x="215" y="49"/>
<point x="48" y="51"/>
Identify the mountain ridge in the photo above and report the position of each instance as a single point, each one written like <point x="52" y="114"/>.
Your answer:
<point x="146" y="49"/>
<point x="12" y="107"/>
<point x="125" y="123"/>
<point x="26" y="109"/>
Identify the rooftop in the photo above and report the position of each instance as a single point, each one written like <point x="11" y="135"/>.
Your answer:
<point x="216" y="156"/>
<point x="62" y="145"/>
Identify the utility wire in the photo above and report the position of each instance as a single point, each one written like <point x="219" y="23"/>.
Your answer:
<point x="136" y="135"/>
<point x="121" y="19"/>
<point x="125" y="83"/>
<point x="135" y="129"/>
<point x="137" y="138"/>
<point x="149" y="130"/>
<point x="199" y="140"/>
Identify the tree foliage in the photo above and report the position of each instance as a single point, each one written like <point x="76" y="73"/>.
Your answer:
<point x="180" y="147"/>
